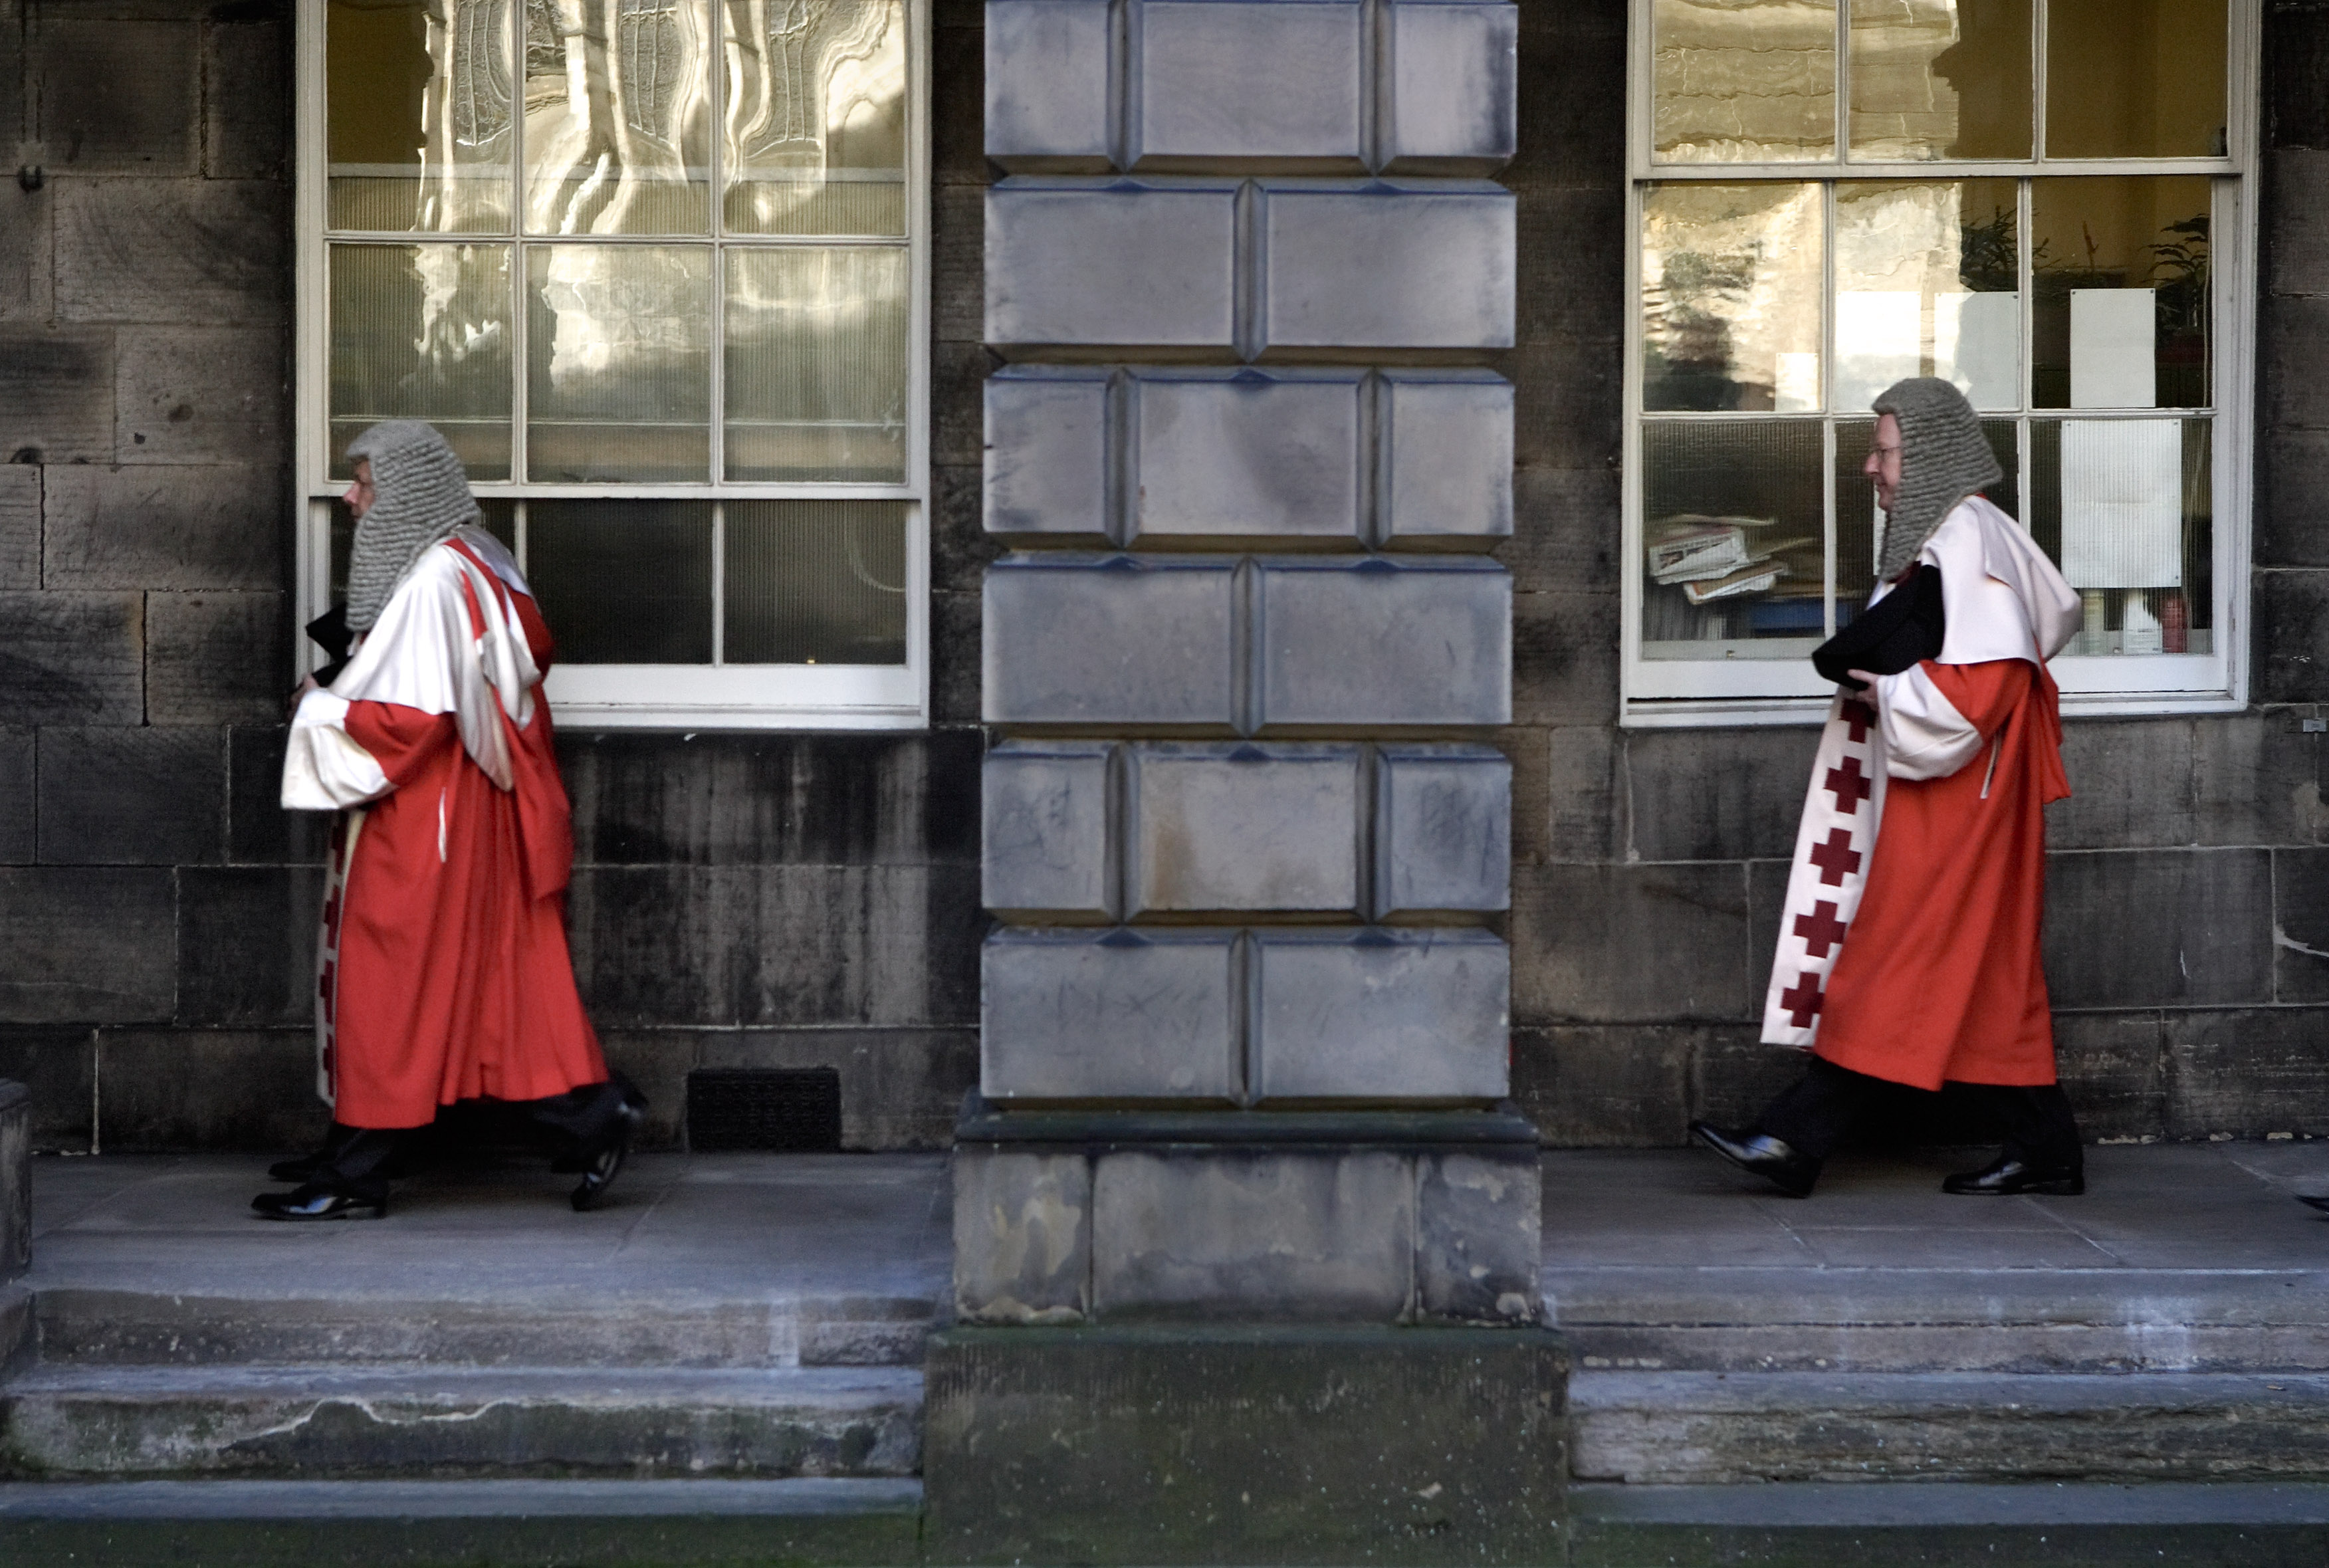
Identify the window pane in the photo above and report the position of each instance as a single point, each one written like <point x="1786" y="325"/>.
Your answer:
<point x="422" y="332"/>
<point x="816" y="364"/>
<point x="418" y="96"/>
<point x="815" y="139"/>
<point x="497" y="517"/>
<point x="617" y="117"/>
<point x="1927" y="282"/>
<point x="1743" y="84"/>
<point x="618" y="378"/>
<point x="2120" y="270"/>
<point x="1940" y="78"/>
<point x="2127" y="508"/>
<point x="815" y="583"/>
<point x="2135" y="78"/>
<point x="1859" y="522"/>
<point x="1731" y="297"/>
<point x="1732" y="515"/>
<point x="623" y="582"/>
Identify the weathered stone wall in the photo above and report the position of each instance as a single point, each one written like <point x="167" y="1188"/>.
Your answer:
<point x="2188" y="924"/>
<point x="741" y="900"/>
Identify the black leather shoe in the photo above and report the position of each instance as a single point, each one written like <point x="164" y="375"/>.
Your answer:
<point x="602" y="1164"/>
<point x="317" y="1202"/>
<point x="2007" y="1177"/>
<point x="1760" y="1154"/>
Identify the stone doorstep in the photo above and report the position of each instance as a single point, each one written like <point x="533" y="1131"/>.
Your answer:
<point x="1712" y="1428"/>
<point x="118" y="1422"/>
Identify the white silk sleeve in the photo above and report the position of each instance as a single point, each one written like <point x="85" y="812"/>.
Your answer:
<point x="324" y="768"/>
<point x="1925" y="736"/>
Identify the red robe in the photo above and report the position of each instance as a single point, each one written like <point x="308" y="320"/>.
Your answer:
<point x="445" y="973"/>
<point x="1941" y="978"/>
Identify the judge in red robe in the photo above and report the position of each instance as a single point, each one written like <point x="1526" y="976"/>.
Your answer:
<point x="1910" y="951"/>
<point x="443" y="973"/>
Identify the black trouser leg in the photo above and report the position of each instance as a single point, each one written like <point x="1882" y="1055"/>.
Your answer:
<point x="2040" y="1127"/>
<point x="1812" y="1117"/>
<point x="580" y="1118"/>
<point x="356" y="1160"/>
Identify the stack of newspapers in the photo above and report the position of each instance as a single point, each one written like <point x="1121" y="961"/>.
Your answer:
<point x="1710" y="558"/>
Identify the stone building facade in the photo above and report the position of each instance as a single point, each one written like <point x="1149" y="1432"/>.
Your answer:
<point x="789" y="899"/>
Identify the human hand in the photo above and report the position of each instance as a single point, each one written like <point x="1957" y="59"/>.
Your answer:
<point x="299" y="694"/>
<point x="1862" y="676"/>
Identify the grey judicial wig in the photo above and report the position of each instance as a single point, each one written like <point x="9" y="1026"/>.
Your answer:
<point x="421" y="496"/>
<point x="1944" y="458"/>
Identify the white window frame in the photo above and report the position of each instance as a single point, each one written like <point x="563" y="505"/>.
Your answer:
<point x="648" y="696"/>
<point x="1682" y="694"/>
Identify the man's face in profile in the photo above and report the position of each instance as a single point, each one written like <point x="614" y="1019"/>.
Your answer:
<point x="1884" y="463"/>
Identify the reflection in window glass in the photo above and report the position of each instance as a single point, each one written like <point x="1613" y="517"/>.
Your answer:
<point x="2127" y="509"/>
<point x="816" y="364"/>
<point x="1927" y="281"/>
<point x="617" y="117"/>
<point x="815" y="583"/>
<point x="418" y="111"/>
<point x="815" y="138"/>
<point x="2119" y="267"/>
<point x="623" y="582"/>
<point x="1859" y="521"/>
<point x="1733" y="529"/>
<point x="1731" y="297"/>
<point x="2135" y="78"/>
<point x="422" y="332"/>
<point x="1743" y="84"/>
<point x="1940" y="78"/>
<point x="618" y="379"/>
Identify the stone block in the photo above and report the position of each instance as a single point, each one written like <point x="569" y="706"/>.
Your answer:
<point x="1382" y="641"/>
<point x="1566" y="529"/>
<point x="118" y="96"/>
<point x="203" y="395"/>
<point x="2247" y="1073"/>
<point x="1321" y="1235"/>
<point x="1293" y="1445"/>
<point x="215" y="658"/>
<point x="2114" y="1067"/>
<point x="1450" y="89"/>
<point x="1606" y="1086"/>
<point x="72" y="658"/>
<point x="86" y="944"/>
<point x="2292" y="506"/>
<point x="1379" y="1014"/>
<point x="1230" y="84"/>
<point x="56" y="396"/>
<point x="16" y="775"/>
<point x="1387" y="264"/>
<point x="1569" y="395"/>
<point x="961" y="549"/>
<point x="1479" y="1243"/>
<point x="1226" y="456"/>
<point x="2289" y="327"/>
<point x="247" y="94"/>
<point x="1446" y="443"/>
<point x="2300" y="925"/>
<point x="1717" y="794"/>
<point x="151" y="526"/>
<point x="247" y="945"/>
<point x="16" y="1185"/>
<point x="186" y="1088"/>
<point x="1093" y="264"/>
<point x="1049" y="842"/>
<point x="204" y="252"/>
<point x="1242" y="827"/>
<point x="957" y="661"/>
<point x="1049" y="85"/>
<point x="1084" y="639"/>
<point x="259" y="830"/>
<point x="1443" y="830"/>
<point x="957" y="275"/>
<point x="1631" y="944"/>
<point x="2255" y="779"/>
<point x="959" y="100"/>
<point x="1131" y="1014"/>
<point x="2130" y="785"/>
<point x="58" y="1065"/>
<point x="20" y="527"/>
<point x="2296" y="198"/>
<point x="1584" y="795"/>
<point x="1047" y="469"/>
<point x="2159" y="928"/>
<point x="1565" y="657"/>
<point x="131" y="796"/>
<point x="1021" y="1236"/>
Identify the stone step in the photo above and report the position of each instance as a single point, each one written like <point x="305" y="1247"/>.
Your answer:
<point x="1924" y="1525"/>
<point x="576" y="1327"/>
<point x="223" y="1523"/>
<point x="1689" y="1428"/>
<point x="381" y="1421"/>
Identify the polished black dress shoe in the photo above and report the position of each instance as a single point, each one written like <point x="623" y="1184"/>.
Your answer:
<point x="1759" y="1154"/>
<point x="2006" y="1177"/>
<point x="603" y="1163"/>
<point x="317" y="1202"/>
